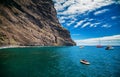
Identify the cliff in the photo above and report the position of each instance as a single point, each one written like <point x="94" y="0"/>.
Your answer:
<point x="31" y="22"/>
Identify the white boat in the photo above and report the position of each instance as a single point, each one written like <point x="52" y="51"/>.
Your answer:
<point x="109" y="48"/>
<point x="81" y="46"/>
<point x="84" y="62"/>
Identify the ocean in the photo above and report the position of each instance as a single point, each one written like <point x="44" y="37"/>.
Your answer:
<point x="59" y="62"/>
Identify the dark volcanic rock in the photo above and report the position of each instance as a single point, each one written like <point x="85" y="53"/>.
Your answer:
<point x="31" y="22"/>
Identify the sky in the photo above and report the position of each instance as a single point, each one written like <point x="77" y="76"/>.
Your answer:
<point x="90" y="20"/>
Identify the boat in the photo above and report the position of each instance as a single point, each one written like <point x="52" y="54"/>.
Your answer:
<point x="84" y="62"/>
<point x="99" y="45"/>
<point x="81" y="46"/>
<point x="109" y="48"/>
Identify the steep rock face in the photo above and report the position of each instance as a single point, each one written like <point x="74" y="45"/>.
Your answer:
<point x="31" y="22"/>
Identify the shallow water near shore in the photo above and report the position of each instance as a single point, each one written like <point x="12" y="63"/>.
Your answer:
<point x="59" y="62"/>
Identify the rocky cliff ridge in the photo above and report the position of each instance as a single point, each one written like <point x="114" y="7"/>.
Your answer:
<point x="31" y="22"/>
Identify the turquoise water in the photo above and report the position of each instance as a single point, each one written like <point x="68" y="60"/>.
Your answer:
<point x="59" y="62"/>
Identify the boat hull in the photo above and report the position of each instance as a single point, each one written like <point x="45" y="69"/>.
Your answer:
<point x="84" y="62"/>
<point x="109" y="48"/>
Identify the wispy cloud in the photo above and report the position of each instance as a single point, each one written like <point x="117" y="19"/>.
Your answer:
<point x="92" y="25"/>
<point x="107" y="40"/>
<point x="71" y="22"/>
<point x="70" y="19"/>
<point x="101" y="11"/>
<point x="86" y="24"/>
<point x="79" y="6"/>
<point x="113" y="17"/>
<point x="69" y="11"/>
<point x="79" y="23"/>
<point x="106" y="26"/>
<point x="62" y="19"/>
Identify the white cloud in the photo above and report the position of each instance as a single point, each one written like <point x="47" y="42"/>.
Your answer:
<point x="62" y="4"/>
<point x="80" y="6"/>
<point x="101" y="11"/>
<point x="86" y="24"/>
<point x="113" y="17"/>
<point x="73" y="8"/>
<point x="71" y="16"/>
<point x="71" y="19"/>
<point x="106" y="26"/>
<point x="91" y="25"/>
<point x="95" y="24"/>
<point x="71" y="22"/>
<point x="91" y="19"/>
<point x="62" y="19"/>
<point x="79" y="23"/>
<point x="107" y="40"/>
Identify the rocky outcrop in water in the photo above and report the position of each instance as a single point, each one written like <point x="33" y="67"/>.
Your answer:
<point x="31" y="22"/>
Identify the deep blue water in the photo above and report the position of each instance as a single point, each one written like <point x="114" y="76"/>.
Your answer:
<point x="59" y="62"/>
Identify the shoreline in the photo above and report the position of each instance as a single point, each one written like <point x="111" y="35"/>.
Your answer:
<point x="12" y="46"/>
<point x="15" y="46"/>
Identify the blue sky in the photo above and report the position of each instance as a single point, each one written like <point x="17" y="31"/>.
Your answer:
<point x="90" y="19"/>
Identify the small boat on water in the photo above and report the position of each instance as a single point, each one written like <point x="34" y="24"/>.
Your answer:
<point x="109" y="48"/>
<point x="99" y="45"/>
<point x="84" y="62"/>
<point x="81" y="46"/>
